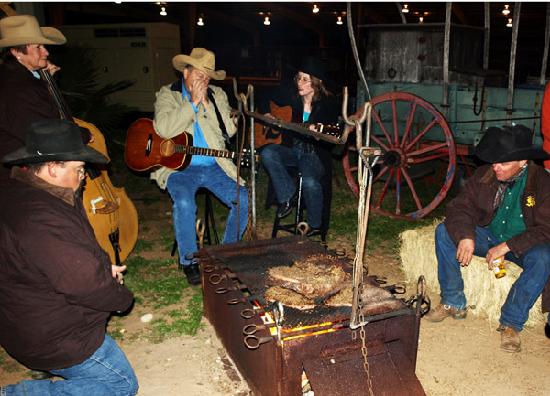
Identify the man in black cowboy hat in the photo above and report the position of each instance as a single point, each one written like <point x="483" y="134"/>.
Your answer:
<point x="504" y="210"/>
<point x="57" y="286"/>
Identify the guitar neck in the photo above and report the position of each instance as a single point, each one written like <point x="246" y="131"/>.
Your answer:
<point x="192" y="150"/>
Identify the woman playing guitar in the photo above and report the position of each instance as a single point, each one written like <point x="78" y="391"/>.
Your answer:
<point x="312" y="104"/>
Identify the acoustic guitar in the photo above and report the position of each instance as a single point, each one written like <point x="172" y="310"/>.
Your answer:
<point x="266" y="134"/>
<point x="145" y="149"/>
<point x="268" y="129"/>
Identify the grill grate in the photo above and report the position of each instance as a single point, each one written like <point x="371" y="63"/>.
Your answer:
<point x="250" y="262"/>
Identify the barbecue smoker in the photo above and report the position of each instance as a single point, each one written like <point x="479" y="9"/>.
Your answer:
<point x="277" y="348"/>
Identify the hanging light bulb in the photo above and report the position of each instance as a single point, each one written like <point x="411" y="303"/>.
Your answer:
<point x="420" y="19"/>
<point x="315" y="9"/>
<point x="405" y="9"/>
<point x="506" y="10"/>
<point x="509" y="24"/>
<point x="339" y="20"/>
<point x="163" y="11"/>
<point x="267" y="22"/>
<point x="200" y="22"/>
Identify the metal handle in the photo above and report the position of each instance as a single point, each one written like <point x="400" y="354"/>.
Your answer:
<point x="216" y="279"/>
<point x="253" y="342"/>
<point x="248" y="313"/>
<point x="252" y="329"/>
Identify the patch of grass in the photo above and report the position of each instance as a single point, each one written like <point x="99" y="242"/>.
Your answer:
<point x="155" y="281"/>
<point x="115" y="327"/>
<point x="180" y="322"/>
<point x="167" y="237"/>
<point x="143" y="246"/>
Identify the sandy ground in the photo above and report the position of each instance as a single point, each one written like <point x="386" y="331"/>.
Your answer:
<point x="454" y="357"/>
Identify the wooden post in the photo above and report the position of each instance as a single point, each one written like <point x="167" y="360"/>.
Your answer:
<point x="546" y="42"/>
<point x="445" y="105"/>
<point x="487" y="35"/>
<point x="515" y="29"/>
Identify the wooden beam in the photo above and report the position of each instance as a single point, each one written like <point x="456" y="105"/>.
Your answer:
<point x="239" y="23"/>
<point x="304" y="21"/>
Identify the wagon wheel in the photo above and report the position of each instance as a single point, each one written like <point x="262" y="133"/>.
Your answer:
<point x="414" y="138"/>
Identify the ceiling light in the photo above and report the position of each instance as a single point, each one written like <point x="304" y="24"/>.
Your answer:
<point x="506" y="10"/>
<point x="420" y="19"/>
<point x="118" y="1"/>
<point x="200" y="22"/>
<point x="267" y="22"/>
<point x="315" y="9"/>
<point x="339" y="20"/>
<point x="405" y="9"/>
<point x="163" y="11"/>
<point x="509" y="24"/>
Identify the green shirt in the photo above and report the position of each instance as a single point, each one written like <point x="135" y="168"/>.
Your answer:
<point x="508" y="221"/>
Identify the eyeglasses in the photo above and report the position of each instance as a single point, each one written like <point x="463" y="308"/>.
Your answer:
<point x="79" y="170"/>
<point x="303" y="79"/>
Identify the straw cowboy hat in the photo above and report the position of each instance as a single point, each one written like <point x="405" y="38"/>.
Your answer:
<point x="53" y="140"/>
<point x="24" y="29"/>
<point x="202" y="59"/>
<point x="509" y="143"/>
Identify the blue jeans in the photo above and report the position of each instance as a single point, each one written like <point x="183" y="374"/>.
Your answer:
<point x="183" y="186"/>
<point x="277" y="159"/>
<point x="106" y="372"/>
<point x="523" y="293"/>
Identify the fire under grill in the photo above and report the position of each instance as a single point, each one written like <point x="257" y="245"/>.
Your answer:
<point x="276" y="348"/>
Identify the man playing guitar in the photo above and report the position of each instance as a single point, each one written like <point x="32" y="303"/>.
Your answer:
<point x="191" y="105"/>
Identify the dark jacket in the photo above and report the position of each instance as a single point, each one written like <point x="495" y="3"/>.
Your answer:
<point x="324" y="111"/>
<point x="474" y="207"/>
<point x="56" y="287"/>
<point x="23" y="100"/>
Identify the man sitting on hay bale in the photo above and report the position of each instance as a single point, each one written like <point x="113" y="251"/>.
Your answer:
<point x="504" y="210"/>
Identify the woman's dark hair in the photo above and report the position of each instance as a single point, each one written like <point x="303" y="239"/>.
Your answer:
<point x="319" y="89"/>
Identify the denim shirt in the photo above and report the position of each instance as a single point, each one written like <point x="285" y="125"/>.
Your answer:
<point x="198" y="136"/>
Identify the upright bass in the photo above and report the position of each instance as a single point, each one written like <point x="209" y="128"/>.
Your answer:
<point x="111" y="213"/>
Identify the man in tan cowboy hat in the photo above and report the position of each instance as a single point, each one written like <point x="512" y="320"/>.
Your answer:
<point x="192" y="105"/>
<point x="57" y="286"/>
<point x="503" y="211"/>
<point x="24" y="98"/>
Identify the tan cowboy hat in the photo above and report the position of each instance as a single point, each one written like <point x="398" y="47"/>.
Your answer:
<point x="24" y="29"/>
<point x="202" y="59"/>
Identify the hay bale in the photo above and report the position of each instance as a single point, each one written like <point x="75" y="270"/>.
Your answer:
<point x="481" y="288"/>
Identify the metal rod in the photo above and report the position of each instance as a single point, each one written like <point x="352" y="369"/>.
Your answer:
<point x="511" y="72"/>
<point x="446" y="45"/>
<point x="399" y="9"/>
<point x="546" y="43"/>
<point x="487" y="35"/>
<point x="492" y="120"/>
<point x="252" y="163"/>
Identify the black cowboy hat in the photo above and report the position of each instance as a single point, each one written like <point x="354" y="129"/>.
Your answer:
<point x="509" y="143"/>
<point x="314" y="67"/>
<point x="53" y="140"/>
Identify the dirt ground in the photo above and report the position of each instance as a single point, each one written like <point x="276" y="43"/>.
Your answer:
<point x="454" y="357"/>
